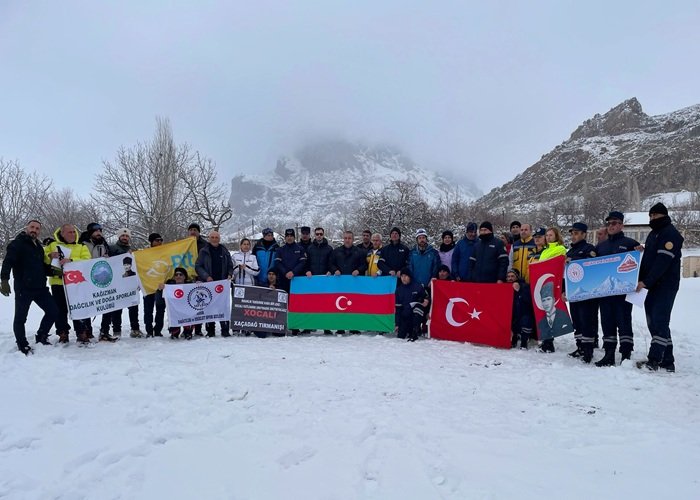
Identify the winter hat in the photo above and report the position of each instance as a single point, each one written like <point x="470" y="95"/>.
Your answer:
<point x="267" y="230"/>
<point x="487" y="225"/>
<point x="471" y="227"/>
<point x="515" y="271"/>
<point x="395" y="229"/>
<point x="615" y="215"/>
<point x="540" y="231"/>
<point x="406" y="271"/>
<point x="515" y="223"/>
<point x="123" y="231"/>
<point x="153" y="237"/>
<point x="447" y="233"/>
<point x="443" y="267"/>
<point x="194" y="225"/>
<point x="289" y="232"/>
<point x="92" y="227"/>
<point x="180" y="270"/>
<point x="659" y="208"/>
<point x="305" y="230"/>
<point x="421" y="232"/>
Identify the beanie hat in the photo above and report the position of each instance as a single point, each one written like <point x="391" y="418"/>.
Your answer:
<point x="487" y="225"/>
<point x="180" y="270"/>
<point x="447" y="233"/>
<point x="123" y="231"/>
<point x="471" y="226"/>
<point x="515" y="271"/>
<point x="443" y="267"/>
<point x="194" y="225"/>
<point x="659" y="208"/>
<point x="406" y="271"/>
<point x="395" y="229"/>
<point x="153" y="237"/>
<point x="92" y="227"/>
<point x="421" y="232"/>
<point x="514" y="224"/>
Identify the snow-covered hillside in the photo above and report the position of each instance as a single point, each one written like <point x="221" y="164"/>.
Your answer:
<point x="364" y="416"/>
<point x="321" y="184"/>
<point x="623" y="154"/>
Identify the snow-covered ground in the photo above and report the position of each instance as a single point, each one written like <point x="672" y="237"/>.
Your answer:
<point x="346" y="417"/>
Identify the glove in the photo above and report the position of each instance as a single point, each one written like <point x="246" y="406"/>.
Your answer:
<point x="5" y="288"/>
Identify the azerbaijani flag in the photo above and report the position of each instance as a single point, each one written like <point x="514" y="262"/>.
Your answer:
<point x="342" y="303"/>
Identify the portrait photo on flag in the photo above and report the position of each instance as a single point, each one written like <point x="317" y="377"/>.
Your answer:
<point x="195" y="303"/>
<point x="551" y="314"/>
<point x="479" y="313"/>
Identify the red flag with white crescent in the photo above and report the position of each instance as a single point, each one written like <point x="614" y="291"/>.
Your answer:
<point x="472" y="312"/>
<point x="551" y="315"/>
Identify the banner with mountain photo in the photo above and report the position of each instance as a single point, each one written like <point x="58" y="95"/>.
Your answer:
<point x="471" y="312"/>
<point x="551" y="314"/>
<point x="604" y="276"/>
<point x="99" y="286"/>
<point x="342" y="303"/>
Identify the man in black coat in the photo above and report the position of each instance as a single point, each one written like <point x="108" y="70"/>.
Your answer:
<point x="347" y="258"/>
<point x="395" y="253"/>
<point x="213" y="264"/>
<point x="489" y="261"/>
<point x="25" y="258"/>
<point x="318" y="255"/>
<point x="615" y="311"/>
<point x="660" y="273"/>
<point x="584" y="313"/>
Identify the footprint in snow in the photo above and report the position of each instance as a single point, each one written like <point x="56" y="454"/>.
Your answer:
<point x="296" y="457"/>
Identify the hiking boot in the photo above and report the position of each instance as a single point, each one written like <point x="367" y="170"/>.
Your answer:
<point x="106" y="337"/>
<point x="26" y="350"/>
<point x="650" y="365"/>
<point x="625" y="354"/>
<point x="136" y="334"/>
<point x="587" y="354"/>
<point x="89" y="334"/>
<point x="547" y="346"/>
<point x="42" y="339"/>
<point x="82" y="337"/>
<point x="577" y="353"/>
<point x="188" y="335"/>
<point x="608" y="359"/>
<point x="175" y="335"/>
<point x="63" y="336"/>
<point x="117" y="334"/>
<point x="327" y="332"/>
<point x="225" y="334"/>
<point x="669" y="367"/>
<point x="157" y="334"/>
<point x="211" y="334"/>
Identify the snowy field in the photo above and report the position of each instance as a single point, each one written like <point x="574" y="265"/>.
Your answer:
<point x="346" y="417"/>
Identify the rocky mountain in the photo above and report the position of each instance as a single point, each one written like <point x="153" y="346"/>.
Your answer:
<point x="623" y="156"/>
<point x="321" y="183"/>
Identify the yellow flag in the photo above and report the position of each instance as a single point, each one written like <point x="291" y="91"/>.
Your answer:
<point x="156" y="264"/>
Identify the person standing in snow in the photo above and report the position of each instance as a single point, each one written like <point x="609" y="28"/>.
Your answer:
<point x="245" y="265"/>
<point x="615" y="311"/>
<point x="463" y="251"/>
<point x="395" y="253"/>
<point x="265" y="251"/>
<point x="154" y="300"/>
<point x="521" y="251"/>
<point x="447" y="248"/>
<point x="489" y="262"/>
<point x="660" y="273"/>
<point x="122" y="247"/>
<point x="366" y="244"/>
<point x="214" y="263"/>
<point x="25" y="258"/>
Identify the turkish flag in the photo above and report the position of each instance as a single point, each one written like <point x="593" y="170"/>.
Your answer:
<point x="472" y="312"/>
<point x="551" y="315"/>
<point x="73" y="277"/>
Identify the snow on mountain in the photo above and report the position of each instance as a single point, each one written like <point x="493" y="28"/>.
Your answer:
<point x="321" y="183"/>
<point x="613" y="285"/>
<point x="624" y="154"/>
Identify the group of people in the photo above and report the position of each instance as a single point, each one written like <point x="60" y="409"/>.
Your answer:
<point x="479" y="256"/>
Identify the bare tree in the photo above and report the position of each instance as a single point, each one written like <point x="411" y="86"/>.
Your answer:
<point x="22" y="194"/>
<point x="159" y="186"/>
<point x="64" y="207"/>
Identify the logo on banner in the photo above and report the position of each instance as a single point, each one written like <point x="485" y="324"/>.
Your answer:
<point x="449" y="312"/>
<point x="239" y="292"/>
<point x="179" y="293"/>
<point x="575" y="272"/>
<point x="282" y="297"/>
<point x="73" y="277"/>
<point x="101" y="274"/>
<point x="199" y="298"/>
<point x="219" y="288"/>
<point x="627" y="265"/>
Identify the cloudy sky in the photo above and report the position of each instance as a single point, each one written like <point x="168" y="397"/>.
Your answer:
<point x="482" y="89"/>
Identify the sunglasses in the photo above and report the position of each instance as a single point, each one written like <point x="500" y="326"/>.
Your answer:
<point x="319" y="234"/>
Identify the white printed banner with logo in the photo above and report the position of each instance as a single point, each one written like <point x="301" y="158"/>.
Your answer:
<point x="194" y="303"/>
<point x="98" y="286"/>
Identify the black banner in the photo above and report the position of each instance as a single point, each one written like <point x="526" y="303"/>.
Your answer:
<point x="259" y="309"/>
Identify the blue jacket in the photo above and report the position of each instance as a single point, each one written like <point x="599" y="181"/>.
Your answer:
<point x="661" y="260"/>
<point x="266" y="260"/>
<point x="290" y="258"/>
<point x="460" y="258"/>
<point x="424" y="264"/>
<point x="489" y="262"/>
<point x="395" y="255"/>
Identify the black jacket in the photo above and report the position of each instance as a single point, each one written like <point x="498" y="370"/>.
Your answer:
<point x="318" y="257"/>
<point x="489" y="261"/>
<point x="25" y="257"/>
<point x="395" y="255"/>
<point x="661" y="260"/>
<point x="205" y="267"/>
<point x="347" y="260"/>
<point x="290" y="258"/>
<point x="616" y="243"/>
<point x="580" y="250"/>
